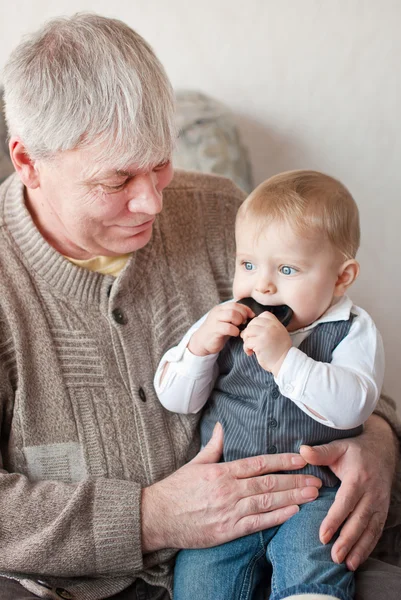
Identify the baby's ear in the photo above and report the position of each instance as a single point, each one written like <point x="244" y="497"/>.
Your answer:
<point x="347" y="273"/>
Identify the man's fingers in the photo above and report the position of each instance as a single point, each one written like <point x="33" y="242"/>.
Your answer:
<point x="358" y="536"/>
<point x="277" y="483"/>
<point x="366" y="543"/>
<point x="213" y="450"/>
<point x="263" y="464"/>
<point x="342" y="506"/>
<point x="262" y="503"/>
<point x="326" y="454"/>
<point x="253" y="523"/>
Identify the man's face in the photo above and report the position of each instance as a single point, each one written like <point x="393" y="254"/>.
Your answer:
<point x="85" y="210"/>
<point x="276" y="266"/>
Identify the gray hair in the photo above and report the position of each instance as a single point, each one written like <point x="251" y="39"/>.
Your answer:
<point x="86" y="81"/>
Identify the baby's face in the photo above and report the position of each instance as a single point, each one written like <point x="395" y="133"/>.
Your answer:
<point x="277" y="266"/>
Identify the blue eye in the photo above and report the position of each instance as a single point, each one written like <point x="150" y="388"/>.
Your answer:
<point x="248" y="266"/>
<point x="286" y="270"/>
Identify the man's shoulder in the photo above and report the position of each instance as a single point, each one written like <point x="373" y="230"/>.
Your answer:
<point x="200" y="201"/>
<point x="9" y="185"/>
<point x="192" y="182"/>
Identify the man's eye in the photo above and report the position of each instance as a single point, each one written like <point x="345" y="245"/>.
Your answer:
<point x="114" y="188"/>
<point x="162" y="165"/>
<point x="248" y="266"/>
<point x="286" y="270"/>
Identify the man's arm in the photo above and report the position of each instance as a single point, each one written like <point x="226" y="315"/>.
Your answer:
<point x="366" y="466"/>
<point x="206" y="503"/>
<point x="88" y="528"/>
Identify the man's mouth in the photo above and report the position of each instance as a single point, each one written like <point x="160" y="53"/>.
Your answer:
<point x="137" y="226"/>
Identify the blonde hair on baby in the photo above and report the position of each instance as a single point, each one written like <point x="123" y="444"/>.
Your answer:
<point x="312" y="203"/>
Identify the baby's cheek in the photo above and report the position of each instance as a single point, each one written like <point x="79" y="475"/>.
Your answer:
<point x="241" y="291"/>
<point x="236" y="288"/>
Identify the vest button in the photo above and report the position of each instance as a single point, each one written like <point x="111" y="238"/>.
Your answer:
<point x="272" y="450"/>
<point x="118" y="316"/>
<point x="142" y="395"/>
<point x="272" y="423"/>
<point x="275" y="393"/>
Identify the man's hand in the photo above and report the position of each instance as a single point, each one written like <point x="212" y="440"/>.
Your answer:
<point x="365" y="465"/>
<point x="206" y="503"/>
<point x="221" y="323"/>
<point x="269" y="340"/>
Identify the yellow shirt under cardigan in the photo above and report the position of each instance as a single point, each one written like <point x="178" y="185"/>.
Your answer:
<point x="107" y="265"/>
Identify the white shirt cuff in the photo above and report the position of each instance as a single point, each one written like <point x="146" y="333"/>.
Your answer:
<point x="293" y="375"/>
<point x="195" y="366"/>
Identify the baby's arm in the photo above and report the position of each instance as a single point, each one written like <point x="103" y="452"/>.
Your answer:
<point x="341" y="394"/>
<point x="186" y="373"/>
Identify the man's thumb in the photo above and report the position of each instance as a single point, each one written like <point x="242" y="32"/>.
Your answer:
<point x="326" y="454"/>
<point x="212" y="452"/>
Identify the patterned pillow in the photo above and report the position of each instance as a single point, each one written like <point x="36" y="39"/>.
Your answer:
<point x="209" y="140"/>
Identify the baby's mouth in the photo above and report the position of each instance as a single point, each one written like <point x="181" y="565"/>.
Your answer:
<point x="282" y="311"/>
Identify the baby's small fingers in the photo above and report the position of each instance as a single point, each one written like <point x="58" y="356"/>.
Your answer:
<point x="249" y="346"/>
<point x="232" y="315"/>
<point x="268" y="316"/>
<point x="227" y="329"/>
<point x="246" y="311"/>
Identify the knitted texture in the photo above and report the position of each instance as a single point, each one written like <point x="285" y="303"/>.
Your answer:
<point x="82" y="429"/>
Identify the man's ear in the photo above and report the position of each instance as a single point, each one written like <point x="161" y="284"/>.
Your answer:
<point x="347" y="273"/>
<point x="23" y="164"/>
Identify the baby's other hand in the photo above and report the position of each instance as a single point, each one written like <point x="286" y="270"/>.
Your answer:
<point x="221" y="323"/>
<point x="269" y="340"/>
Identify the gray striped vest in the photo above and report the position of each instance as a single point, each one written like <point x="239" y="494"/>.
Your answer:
<point x="256" y="417"/>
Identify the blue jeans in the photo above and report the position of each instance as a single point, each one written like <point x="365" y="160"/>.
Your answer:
<point x="291" y="554"/>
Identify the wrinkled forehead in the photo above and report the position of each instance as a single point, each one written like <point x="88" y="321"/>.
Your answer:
<point x="97" y="170"/>
<point x="86" y="164"/>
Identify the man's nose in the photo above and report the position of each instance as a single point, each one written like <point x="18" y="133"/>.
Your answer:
<point x="144" y="194"/>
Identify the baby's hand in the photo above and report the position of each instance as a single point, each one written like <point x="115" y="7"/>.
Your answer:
<point x="269" y="340"/>
<point x="221" y="323"/>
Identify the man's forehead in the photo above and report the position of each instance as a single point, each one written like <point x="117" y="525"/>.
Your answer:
<point x="128" y="172"/>
<point x="97" y="171"/>
<point x="100" y="170"/>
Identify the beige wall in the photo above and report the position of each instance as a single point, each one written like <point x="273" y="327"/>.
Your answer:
<point x="313" y="83"/>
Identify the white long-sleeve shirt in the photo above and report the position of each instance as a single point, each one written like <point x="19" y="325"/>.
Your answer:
<point x="344" y="392"/>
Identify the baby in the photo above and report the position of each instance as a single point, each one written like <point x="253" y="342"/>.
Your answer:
<point x="274" y="388"/>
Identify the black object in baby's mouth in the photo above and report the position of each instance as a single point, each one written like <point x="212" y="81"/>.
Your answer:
<point x="283" y="312"/>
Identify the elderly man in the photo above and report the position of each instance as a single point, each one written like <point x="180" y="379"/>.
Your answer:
<point x="96" y="282"/>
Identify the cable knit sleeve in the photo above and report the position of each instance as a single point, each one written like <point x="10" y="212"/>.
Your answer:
<point x="62" y="529"/>
<point x="386" y="409"/>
